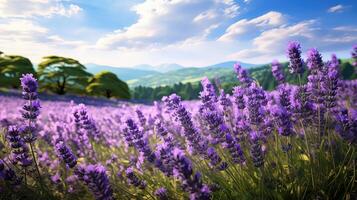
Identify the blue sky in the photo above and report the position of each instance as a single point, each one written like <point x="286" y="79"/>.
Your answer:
<point x="187" y="32"/>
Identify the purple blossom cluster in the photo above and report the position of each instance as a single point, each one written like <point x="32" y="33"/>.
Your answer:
<point x="94" y="176"/>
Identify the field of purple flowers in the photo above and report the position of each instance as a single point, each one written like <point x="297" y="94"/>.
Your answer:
<point x="296" y="142"/>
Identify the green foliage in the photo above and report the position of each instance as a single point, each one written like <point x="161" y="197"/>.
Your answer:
<point x="182" y="75"/>
<point x="11" y="69"/>
<point x="187" y="91"/>
<point x="61" y="75"/>
<point x="109" y="85"/>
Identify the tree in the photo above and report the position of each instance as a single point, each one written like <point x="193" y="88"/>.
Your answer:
<point x="11" y="69"/>
<point x="60" y="75"/>
<point x="107" y="84"/>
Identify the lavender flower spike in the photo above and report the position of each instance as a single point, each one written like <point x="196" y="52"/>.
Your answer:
<point x="282" y="118"/>
<point x="277" y="71"/>
<point x="331" y="82"/>
<point x="354" y="56"/>
<point x="256" y="150"/>
<point x="95" y="178"/>
<point x="242" y="75"/>
<point x="29" y="86"/>
<point x="20" y="150"/>
<point x="31" y="109"/>
<point x="161" y="193"/>
<point x="314" y="61"/>
<point x="66" y="154"/>
<point x="140" y="143"/>
<point x="296" y="64"/>
<point x="133" y="179"/>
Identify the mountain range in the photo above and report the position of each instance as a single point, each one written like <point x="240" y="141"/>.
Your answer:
<point x="165" y="74"/>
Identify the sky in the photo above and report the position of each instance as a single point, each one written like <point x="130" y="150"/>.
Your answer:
<point x="186" y="32"/>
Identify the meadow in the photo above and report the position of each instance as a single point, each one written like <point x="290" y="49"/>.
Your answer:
<point x="295" y="142"/>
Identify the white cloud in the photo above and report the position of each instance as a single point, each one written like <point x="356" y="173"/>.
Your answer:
<point x="163" y="22"/>
<point x="346" y="28"/>
<point x="272" y="42"/>
<point x="31" y="8"/>
<point x="269" y="20"/>
<point x="336" y="8"/>
<point x="25" y="37"/>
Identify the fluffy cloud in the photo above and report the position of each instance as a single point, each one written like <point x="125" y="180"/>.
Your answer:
<point x="20" y="33"/>
<point x="163" y="22"/>
<point x="336" y="8"/>
<point x="272" y="42"/>
<point x="269" y="20"/>
<point x="25" y="37"/>
<point x="31" y="8"/>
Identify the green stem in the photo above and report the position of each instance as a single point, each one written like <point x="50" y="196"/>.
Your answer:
<point x="309" y="155"/>
<point x="25" y="176"/>
<point x="36" y="165"/>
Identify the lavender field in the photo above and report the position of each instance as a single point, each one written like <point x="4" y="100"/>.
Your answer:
<point x="296" y="142"/>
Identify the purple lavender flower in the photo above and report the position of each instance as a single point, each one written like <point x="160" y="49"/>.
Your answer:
<point x="141" y="117"/>
<point x="190" y="183"/>
<point x="2" y="166"/>
<point x="94" y="176"/>
<point x="354" y="55"/>
<point x="164" y="134"/>
<point x="256" y="150"/>
<point x="84" y="123"/>
<point x="31" y="110"/>
<point x="66" y="154"/>
<point x="225" y="101"/>
<point x="314" y="61"/>
<point x="139" y="141"/>
<point x="133" y="179"/>
<point x="296" y="64"/>
<point x="238" y="94"/>
<point x="301" y="104"/>
<point x="347" y="125"/>
<point x="11" y="177"/>
<point x="256" y="99"/>
<point x="164" y="150"/>
<point x="235" y="149"/>
<point x="56" y="178"/>
<point x="29" y="86"/>
<point x="283" y="122"/>
<point x="316" y="67"/>
<point x="20" y="150"/>
<point x="29" y="91"/>
<point x="242" y="75"/>
<point x="198" y="143"/>
<point x="208" y="95"/>
<point x="162" y="194"/>
<point x="164" y="160"/>
<point x="331" y="83"/>
<point x="284" y="92"/>
<point x="277" y="71"/>
<point x="214" y="121"/>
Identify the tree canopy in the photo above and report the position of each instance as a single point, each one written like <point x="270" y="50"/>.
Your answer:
<point x="11" y="69"/>
<point x="61" y="74"/>
<point x="109" y="85"/>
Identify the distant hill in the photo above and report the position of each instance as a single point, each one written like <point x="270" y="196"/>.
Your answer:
<point x="229" y="64"/>
<point x="228" y="80"/>
<point x="124" y="73"/>
<point x="184" y="75"/>
<point x="163" y="68"/>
